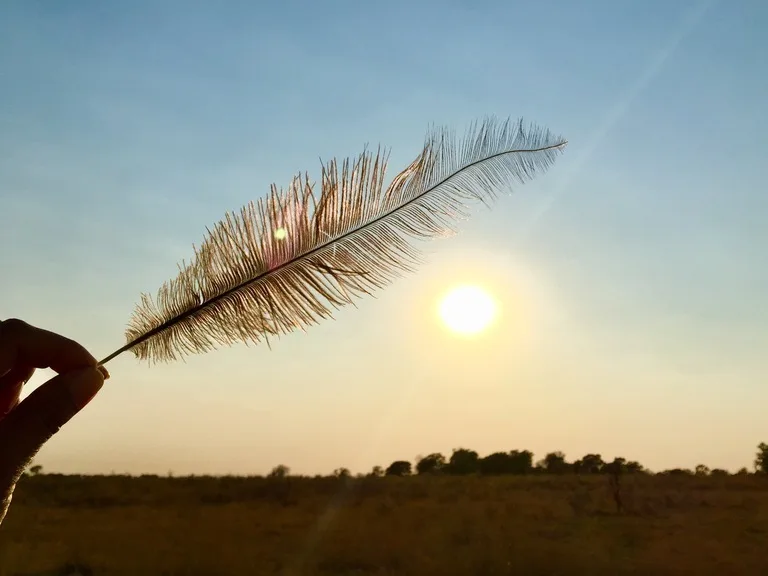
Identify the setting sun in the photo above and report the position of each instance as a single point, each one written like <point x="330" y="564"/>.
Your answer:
<point x="467" y="310"/>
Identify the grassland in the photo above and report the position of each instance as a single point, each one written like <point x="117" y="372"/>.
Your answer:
<point x="537" y="525"/>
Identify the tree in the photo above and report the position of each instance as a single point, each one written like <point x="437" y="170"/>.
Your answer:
<point x="554" y="463"/>
<point x="399" y="468"/>
<point x="463" y="461"/>
<point x="678" y="472"/>
<point x="377" y="471"/>
<point x="279" y="471"/>
<point x="342" y="473"/>
<point x="624" y="467"/>
<point x="761" y="459"/>
<point x="589" y="464"/>
<point x="432" y="464"/>
<point x="520" y="462"/>
<point x="495" y="464"/>
<point x="513" y="462"/>
<point x="35" y="469"/>
<point x="701" y="470"/>
<point x="615" y="467"/>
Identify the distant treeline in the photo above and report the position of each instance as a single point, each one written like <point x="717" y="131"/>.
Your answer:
<point x="464" y="462"/>
<point x="519" y="462"/>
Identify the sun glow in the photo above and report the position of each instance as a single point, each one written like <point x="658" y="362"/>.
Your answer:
<point x="467" y="310"/>
<point x="281" y="233"/>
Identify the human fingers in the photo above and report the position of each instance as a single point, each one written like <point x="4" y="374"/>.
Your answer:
<point x="9" y="398"/>
<point x="25" y="345"/>
<point x="11" y="385"/>
<point x="40" y="415"/>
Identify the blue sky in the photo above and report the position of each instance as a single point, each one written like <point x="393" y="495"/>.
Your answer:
<point x="631" y="276"/>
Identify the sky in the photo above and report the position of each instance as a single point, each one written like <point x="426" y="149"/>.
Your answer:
<point x="631" y="276"/>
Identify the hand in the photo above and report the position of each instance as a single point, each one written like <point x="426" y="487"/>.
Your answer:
<point x="26" y="426"/>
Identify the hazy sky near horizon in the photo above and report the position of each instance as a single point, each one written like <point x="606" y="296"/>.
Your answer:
<point x="631" y="277"/>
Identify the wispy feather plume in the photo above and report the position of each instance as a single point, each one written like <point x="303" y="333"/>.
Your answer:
<point x="290" y="259"/>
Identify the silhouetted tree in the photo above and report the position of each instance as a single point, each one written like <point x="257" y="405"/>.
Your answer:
<point x="555" y="463"/>
<point x="618" y="462"/>
<point x="514" y="462"/>
<point x="761" y="459"/>
<point x="399" y="468"/>
<point x="701" y="470"/>
<point x="342" y="473"/>
<point x="615" y="467"/>
<point x="678" y="472"/>
<point x="494" y="464"/>
<point x="432" y="464"/>
<point x="280" y="471"/>
<point x="719" y="472"/>
<point x="34" y="470"/>
<point x="742" y="472"/>
<point x="520" y="462"/>
<point x="631" y="467"/>
<point x="589" y="464"/>
<point x="615" y="470"/>
<point x="463" y="461"/>
<point x="377" y="471"/>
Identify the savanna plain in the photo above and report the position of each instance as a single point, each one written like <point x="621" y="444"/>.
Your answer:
<point x="422" y="524"/>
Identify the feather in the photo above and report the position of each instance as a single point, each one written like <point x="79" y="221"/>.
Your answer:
<point x="287" y="261"/>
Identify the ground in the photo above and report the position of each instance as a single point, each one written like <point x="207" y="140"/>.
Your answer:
<point x="539" y="525"/>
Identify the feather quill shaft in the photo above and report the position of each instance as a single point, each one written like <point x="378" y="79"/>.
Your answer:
<point x="288" y="260"/>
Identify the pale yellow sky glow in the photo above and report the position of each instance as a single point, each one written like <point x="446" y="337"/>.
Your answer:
<point x="386" y="381"/>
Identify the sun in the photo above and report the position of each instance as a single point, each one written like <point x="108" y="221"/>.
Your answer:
<point x="467" y="310"/>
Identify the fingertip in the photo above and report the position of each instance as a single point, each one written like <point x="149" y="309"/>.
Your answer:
<point x="83" y="385"/>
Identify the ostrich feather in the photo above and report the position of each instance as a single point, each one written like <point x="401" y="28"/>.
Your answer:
<point x="288" y="260"/>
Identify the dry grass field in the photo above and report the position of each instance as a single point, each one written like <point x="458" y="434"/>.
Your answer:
<point x="536" y="525"/>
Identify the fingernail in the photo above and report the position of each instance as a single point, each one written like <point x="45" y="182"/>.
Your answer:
<point x="104" y="371"/>
<point x="83" y="385"/>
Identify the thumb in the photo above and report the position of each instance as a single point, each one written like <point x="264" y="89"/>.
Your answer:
<point x="39" y="416"/>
